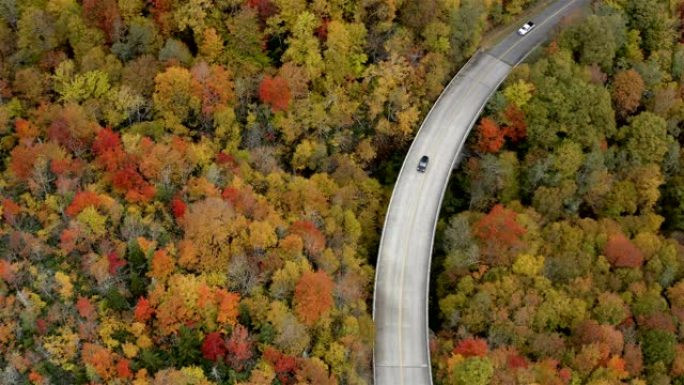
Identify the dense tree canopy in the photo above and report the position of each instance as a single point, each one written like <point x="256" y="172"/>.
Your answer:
<point x="561" y="257"/>
<point x="190" y="191"/>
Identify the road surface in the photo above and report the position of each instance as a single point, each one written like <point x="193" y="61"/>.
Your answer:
<point x="401" y="353"/>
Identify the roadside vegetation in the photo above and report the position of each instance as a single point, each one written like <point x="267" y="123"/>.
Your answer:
<point x="561" y="252"/>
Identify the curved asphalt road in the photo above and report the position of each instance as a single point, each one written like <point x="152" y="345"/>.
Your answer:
<point x="401" y="353"/>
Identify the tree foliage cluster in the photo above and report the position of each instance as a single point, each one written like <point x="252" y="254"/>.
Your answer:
<point x="568" y="265"/>
<point x="185" y="195"/>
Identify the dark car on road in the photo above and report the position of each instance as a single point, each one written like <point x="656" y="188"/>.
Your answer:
<point x="422" y="164"/>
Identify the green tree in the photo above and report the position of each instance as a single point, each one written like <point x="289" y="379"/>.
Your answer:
<point x="650" y="18"/>
<point x="417" y="14"/>
<point x="568" y="159"/>
<point x="593" y="39"/>
<point x="473" y="371"/>
<point x="610" y="308"/>
<point x="79" y="87"/>
<point x="645" y="139"/>
<point x="141" y="38"/>
<point x="566" y="106"/>
<point x="467" y="24"/>
<point x="192" y="14"/>
<point x="36" y="33"/>
<point x="658" y="346"/>
<point x="344" y="57"/>
<point x="175" y="52"/>
<point x="303" y="47"/>
<point x="519" y="93"/>
<point x="244" y="43"/>
<point x="672" y="201"/>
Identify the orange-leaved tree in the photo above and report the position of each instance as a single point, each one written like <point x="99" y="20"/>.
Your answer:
<point x="621" y="252"/>
<point x="227" y="310"/>
<point x="143" y="310"/>
<point x="313" y="296"/>
<point x="162" y="265"/>
<point x="490" y="136"/>
<point x="85" y="308"/>
<point x="82" y="200"/>
<point x="239" y="347"/>
<point x="123" y="369"/>
<point x="209" y="224"/>
<point x="314" y="240"/>
<point x="626" y="91"/>
<point x="99" y="359"/>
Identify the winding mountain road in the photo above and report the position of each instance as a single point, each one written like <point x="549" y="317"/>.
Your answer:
<point x="401" y="354"/>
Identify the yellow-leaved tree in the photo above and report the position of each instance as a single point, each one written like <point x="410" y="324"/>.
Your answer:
<point x="209" y="225"/>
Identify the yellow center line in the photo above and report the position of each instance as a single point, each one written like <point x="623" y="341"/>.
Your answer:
<point x="475" y="80"/>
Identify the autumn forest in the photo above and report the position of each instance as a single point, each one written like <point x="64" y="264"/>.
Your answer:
<point x="192" y="192"/>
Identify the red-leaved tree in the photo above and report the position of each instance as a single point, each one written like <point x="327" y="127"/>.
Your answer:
<point x="105" y="15"/>
<point x="471" y="347"/>
<point x="109" y="149"/>
<point x="283" y="364"/>
<point x="499" y="234"/>
<point x="129" y="181"/>
<point x="115" y="262"/>
<point x="178" y="208"/>
<point x="516" y="128"/>
<point x="275" y="92"/>
<point x="265" y="8"/>
<point x="213" y="346"/>
<point x="515" y="361"/>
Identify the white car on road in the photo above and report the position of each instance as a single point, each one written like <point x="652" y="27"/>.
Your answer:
<point x="527" y="27"/>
